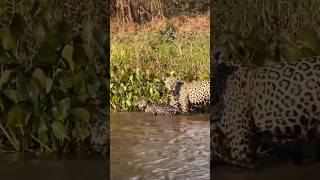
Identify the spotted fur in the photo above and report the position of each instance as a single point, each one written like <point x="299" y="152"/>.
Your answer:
<point x="281" y="101"/>
<point x="188" y="96"/>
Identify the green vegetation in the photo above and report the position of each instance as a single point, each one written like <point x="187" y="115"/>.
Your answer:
<point x="263" y="32"/>
<point x="52" y="80"/>
<point x="141" y="58"/>
<point x="151" y="40"/>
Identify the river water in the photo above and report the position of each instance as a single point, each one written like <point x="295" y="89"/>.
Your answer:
<point x="149" y="147"/>
<point x="159" y="147"/>
<point x="268" y="172"/>
<point x="35" y="168"/>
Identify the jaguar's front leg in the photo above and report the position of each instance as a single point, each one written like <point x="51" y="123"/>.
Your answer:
<point x="174" y="102"/>
<point x="184" y="102"/>
<point x="240" y="144"/>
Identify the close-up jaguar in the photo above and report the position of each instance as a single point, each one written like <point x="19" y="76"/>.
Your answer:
<point x="188" y="96"/>
<point x="281" y="101"/>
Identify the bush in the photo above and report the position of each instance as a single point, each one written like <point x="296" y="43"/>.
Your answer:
<point x="263" y="38"/>
<point x="53" y="93"/>
<point x="128" y="86"/>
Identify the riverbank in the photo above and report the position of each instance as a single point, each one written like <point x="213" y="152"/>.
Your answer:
<point x="142" y="55"/>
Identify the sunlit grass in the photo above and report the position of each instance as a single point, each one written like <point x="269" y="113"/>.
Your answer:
<point x="167" y="46"/>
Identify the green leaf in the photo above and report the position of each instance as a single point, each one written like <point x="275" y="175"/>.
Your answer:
<point x="65" y="79"/>
<point x="5" y="77"/>
<point x="60" y="112"/>
<point x="81" y="114"/>
<point x="80" y="132"/>
<point x="46" y="82"/>
<point x="92" y="90"/>
<point x="308" y="37"/>
<point x="291" y="53"/>
<point x="40" y="124"/>
<point x="33" y="89"/>
<point x="40" y="75"/>
<point x="40" y="30"/>
<point x="17" y="26"/>
<point x="252" y="44"/>
<point x="4" y="103"/>
<point x="59" y="130"/>
<point x="79" y="56"/>
<point x="67" y="53"/>
<point x="79" y="82"/>
<point x="11" y="94"/>
<point x="3" y="58"/>
<point x="83" y="133"/>
<point x="18" y="115"/>
<point x="87" y="34"/>
<point x="8" y="41"/>
<point x="49" y="83"/>
<point x="43" y="125"/>
<point x="53" y="40"/>
<point x="307" y="52"/>
<point x="46" y="55"/>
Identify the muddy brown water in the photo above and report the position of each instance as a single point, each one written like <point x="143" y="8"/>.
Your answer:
<point x="149" y="147"/>
<point x="159" y="147"/>
<point x="163" y="147"/>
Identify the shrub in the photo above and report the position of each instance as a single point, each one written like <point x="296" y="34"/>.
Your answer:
<point x="53" y="93"/>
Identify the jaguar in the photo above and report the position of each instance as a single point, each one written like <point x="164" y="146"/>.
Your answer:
<point x="188" y="96"/>
<point x="280" y="101"/>
<point x="157" y="109"/>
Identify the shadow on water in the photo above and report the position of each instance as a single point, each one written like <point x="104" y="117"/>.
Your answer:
<point x="159" y="147"/>
<point x="79" y="168"/>
<point x="268" y="172"/>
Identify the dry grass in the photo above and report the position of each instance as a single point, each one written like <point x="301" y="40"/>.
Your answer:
<point x="152" y="45"/>
<point x="184" y="25"/>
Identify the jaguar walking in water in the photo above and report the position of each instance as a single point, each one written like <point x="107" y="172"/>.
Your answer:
<point x="281" y="101"/>
<point x="186" y="95"/>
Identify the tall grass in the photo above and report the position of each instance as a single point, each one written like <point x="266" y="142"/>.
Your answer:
<point x="169" y="45"/>
<point x="267" y="18"/>
<point x="133" y="11"/>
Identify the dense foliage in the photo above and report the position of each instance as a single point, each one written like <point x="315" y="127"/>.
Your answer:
<point x="53" y="93"/>
<point x="261" y="30"/>
<point x="253" y="49"/>
<point x="128" y="86"/>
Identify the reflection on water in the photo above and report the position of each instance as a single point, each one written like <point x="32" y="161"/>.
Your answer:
<point x="79" y="168"/>
<point x="159" y="147"/>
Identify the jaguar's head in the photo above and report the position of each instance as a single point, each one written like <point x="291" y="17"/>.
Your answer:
<point x="142" y="104"/>
<point x="172" y="82"/>
<point x="222" y="68"/>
